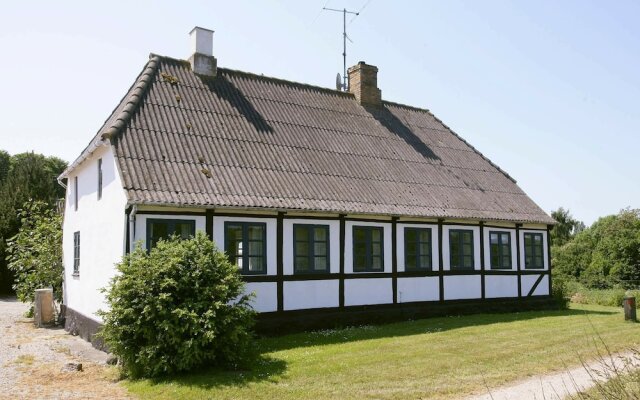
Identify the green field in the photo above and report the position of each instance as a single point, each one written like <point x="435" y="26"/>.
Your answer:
<point x="432" y="358"/>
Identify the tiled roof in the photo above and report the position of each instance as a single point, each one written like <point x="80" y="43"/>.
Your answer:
<point x="244" y="140"/>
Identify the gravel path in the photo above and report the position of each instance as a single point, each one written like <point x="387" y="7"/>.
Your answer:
<point x="561" y="385"/>
<point x="31" y="361"/>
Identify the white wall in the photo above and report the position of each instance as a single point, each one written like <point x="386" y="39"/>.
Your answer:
<point x="487" y="248"/>
<point x="445" y="245"/>
<point x="400" y="244"/>
<point x="500" y="286"/>
<point x="266" y="295"/>
<point x="299" y="295"/>
<point x="102" y="227"/>
<point x="418" y="289"/>
<point x="140" y="235"/>
<point x="462" y="287"/>
<point x="529" y="280"/>
<point x="334" y="243"/>
<point x="359" y="292"/>
<point x="348" y="244"/>
<point x="272" y="245"/>
<point x="545" y="250"/>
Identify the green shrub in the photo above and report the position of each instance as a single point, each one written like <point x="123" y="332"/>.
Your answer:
<point x="175" y="308"/>
<point x="35" y="253"/>
<point x="604" y="297"/>
<point x="560" y="292"/>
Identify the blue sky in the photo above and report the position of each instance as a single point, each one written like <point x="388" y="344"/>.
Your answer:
<point x="548" y="90"/>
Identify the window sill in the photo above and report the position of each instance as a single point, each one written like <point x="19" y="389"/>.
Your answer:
<point x="76" y="275"/>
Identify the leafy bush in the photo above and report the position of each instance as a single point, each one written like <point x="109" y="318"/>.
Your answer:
<point x="35" y="253"/>
<point x="604" y="297"/>
<point x="605" y="255"/>
<point x="177" y="307"/>
<point x="560" y="292"/>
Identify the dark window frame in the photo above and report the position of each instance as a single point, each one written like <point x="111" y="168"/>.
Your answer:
<point x="501" y="256"/>
<point x="171" y="222"/>
<point x="76" y="253"/>
<point x="99" y="178"/>
<point x="458" y="265"/>
<point x="418" y="255"/>
<point x="532" y="248"/>
<point x="75" y="193"/>
<point x="245" y="245"/>
<point x="311" y="256"/>
<point x="368" y="242"/>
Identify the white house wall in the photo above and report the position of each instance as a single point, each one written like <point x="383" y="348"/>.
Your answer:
<point x="102" y="227"/>
<point x="300" y="295"/>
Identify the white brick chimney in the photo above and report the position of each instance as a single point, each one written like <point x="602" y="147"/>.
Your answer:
<point x="202" y="60"/>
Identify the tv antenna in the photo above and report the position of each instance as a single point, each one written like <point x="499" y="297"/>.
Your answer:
<point x="344" y="12"/>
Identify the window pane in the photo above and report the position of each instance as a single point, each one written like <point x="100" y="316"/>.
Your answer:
<point x="505" y="238"/>
<point x="301" y="233"/>
<point x="234" y="244"/>
<point x="539" y="262"/>
<point x="425" y="262"/>
<point x="467" y="237"/>
<point x="359" y="234"/>
<point x="411" y="248"/>
<point x="302" y="248"/>
<point x="468" y="262"/>
<point x="537" y="239"/>
<point x="455" y="250"/>
<point x="425" y="248"/>
<point x="360" y="250"/>
<point x="159" y="230"/>
<point x="320" y="249"/>
<point x="467" y="249"/>
<point x="495" y="258"/>
<point x="493" y="237"/>
<point x="376" y="234"/>
<point x="425" y="235"/>
<point x="527" y="239"/>
<point x="255" y="232"/>
<point x="255" y="249"/>
<point x="302" y="264"/>
<point x="255" y="264"/>
<point x="410" y="234"/>
<point x="376" y="249"/>
<point x="320" y="234"/>
<point x="184" y="230"/>
<point x="320" y="263"/>
<point x="454" y="236"/>
<point x="411" y="262"/>
<point x="359" y="263"/>
<point x="376" y="263"/>
<point x="506" y="261"/>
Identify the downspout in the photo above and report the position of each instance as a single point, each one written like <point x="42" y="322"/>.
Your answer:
<point x="132" y="226"/>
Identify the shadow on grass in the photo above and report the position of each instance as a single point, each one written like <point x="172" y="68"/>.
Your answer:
<point x="408" y="328"/>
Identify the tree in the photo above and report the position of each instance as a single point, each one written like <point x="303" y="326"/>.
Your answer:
<point x="29" y="176"/>
<point x="566" y="228"/>
<point x="175" y="308"/>
<point x="605" y="255"/>
<point x="35" y="253"/>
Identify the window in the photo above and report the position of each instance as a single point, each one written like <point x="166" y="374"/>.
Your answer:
<point x="461" y="249"/>
<point x="164" y="228"/>
<point x="76" y="253"/>
<point x="533" y="254"/>
<point x="500" y="249"/>
<point x="367" y="249"/>
<point x="246" y="245"/>
<point x="417" y="249"/>
<point x="310" y="248"/>
<point x="75" y="193"/>
<point x="99" y="178"/>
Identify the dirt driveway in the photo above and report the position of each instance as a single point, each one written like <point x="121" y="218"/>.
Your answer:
<point x="31" y="361"/>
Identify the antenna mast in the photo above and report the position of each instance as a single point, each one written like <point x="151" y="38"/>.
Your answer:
<point x="344" y="12"/>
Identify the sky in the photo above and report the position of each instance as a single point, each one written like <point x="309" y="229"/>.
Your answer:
<point x="548" y="90"/>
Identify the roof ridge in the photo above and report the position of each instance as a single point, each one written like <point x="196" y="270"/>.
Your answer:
<point x="264" y="77"/>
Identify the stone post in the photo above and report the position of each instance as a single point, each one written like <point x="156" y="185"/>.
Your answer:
<point x="44" y="313"/>
<point x="629" y="304"/>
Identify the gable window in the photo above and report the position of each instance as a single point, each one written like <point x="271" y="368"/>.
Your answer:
<point x="417" y="249"/>
<point x="461" y="249"/>
<point x="246" y="245"/>
<point x="75" y="193"/>
<point x="500" y="249"/>
<point x="367" y="249"/>
<point x="533" y="253"/>
<point x="158" y="229"/>
<point x="76" y="253"/>
<point x="310" y="248"/>
<point x="99" y="178"/>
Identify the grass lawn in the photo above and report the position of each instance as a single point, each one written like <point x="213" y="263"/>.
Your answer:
<point x="432" y="358"/>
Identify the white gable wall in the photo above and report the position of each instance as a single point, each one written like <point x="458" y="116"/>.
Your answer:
<point x="102" y="228"/>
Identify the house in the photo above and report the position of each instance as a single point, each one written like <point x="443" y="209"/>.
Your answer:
<point x="335" y="206"/>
